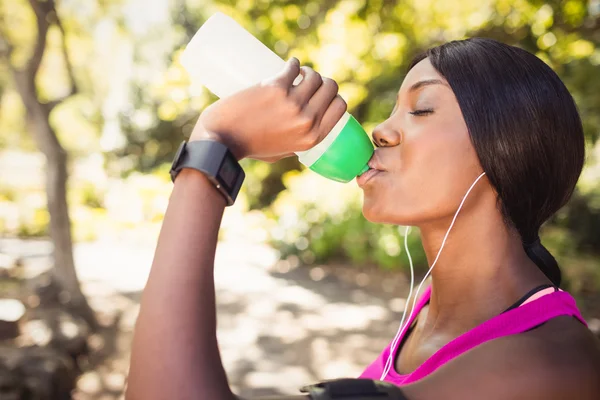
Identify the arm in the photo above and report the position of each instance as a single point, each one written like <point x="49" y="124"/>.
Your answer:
<point x="175" y="347"/>
<point x="175" y="353"/>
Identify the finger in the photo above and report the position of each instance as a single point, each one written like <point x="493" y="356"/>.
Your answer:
<point x="311" y="82"/>
<point x="321" y="100"/>
<point x="286" y="77"/>
<point x="332" y="115"/>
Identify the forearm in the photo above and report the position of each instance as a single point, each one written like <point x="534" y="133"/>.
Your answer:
<point x="175" y="353"/>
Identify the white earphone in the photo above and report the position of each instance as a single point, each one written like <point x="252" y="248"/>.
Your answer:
<point x="402" y="328"/>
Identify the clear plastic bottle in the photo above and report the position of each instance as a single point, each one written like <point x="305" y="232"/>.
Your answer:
<point x="226" y="58"/>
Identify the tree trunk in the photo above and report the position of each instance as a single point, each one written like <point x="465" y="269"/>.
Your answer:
<point x="60" y="232"/>
<point x="38" y="116"/>
<point x="60" y="223"/>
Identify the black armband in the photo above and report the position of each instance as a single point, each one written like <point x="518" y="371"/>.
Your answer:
<point x="354" y="389"/>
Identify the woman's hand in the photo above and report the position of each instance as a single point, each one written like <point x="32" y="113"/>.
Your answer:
<point x="272" y="120"/>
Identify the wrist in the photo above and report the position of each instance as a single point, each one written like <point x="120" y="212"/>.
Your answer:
<point x="215" y="161"/>
<point x="194" y="182"/>
<point x="201" y="133"/>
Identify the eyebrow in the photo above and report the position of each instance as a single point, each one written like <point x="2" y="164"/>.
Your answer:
<point x="420" y="84"/>
<point x="424" y="83"/>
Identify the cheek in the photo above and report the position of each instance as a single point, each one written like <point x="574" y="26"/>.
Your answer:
<point x="439" y="175"/>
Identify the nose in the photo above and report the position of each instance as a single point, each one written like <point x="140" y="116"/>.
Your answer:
<point x="384" y="136"/>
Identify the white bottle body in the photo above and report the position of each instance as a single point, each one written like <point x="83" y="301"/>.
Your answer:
<point x="225" y="58"/>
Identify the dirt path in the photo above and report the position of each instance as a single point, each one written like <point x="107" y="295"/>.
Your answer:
<point x="280" y="327"/>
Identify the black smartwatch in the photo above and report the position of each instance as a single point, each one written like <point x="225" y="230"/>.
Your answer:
<point x="214" y="160"/>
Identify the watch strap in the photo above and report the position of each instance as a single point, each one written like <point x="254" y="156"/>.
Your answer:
<point x="215" y="161"/>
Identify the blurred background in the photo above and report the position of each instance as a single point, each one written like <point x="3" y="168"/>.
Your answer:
<point x="93" y="103"/>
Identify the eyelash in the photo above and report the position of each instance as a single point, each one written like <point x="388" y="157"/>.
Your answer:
<point x="418" y="113"/>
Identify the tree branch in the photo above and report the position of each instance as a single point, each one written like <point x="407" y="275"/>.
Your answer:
<point x="589" y="30"/>
<point x="41" y="9"/>
<point x="22" y="82"/>
<point x="73" y="90"/>
<point x="6" y="47"/>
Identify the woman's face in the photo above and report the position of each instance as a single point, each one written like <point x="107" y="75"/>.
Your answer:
<point x="425" y="157"/>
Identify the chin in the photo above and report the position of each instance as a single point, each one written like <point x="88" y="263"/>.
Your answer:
<point x="375" y="207"/>
<point x="376" y="213"/>
<point x="371" y="214"/>
<point x="372" y="208"/>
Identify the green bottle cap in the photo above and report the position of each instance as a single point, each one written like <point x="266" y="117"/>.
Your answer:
<point x="347" y="156"/>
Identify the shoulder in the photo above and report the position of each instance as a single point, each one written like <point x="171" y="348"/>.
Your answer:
<point x="557" y="360"/>
<point x="562" y="341"/>
<point x="560" y="358"/>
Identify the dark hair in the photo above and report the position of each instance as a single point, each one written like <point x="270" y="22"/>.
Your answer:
<point x="525" y="128"/>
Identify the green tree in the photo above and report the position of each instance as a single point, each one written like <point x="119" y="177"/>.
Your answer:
<point x="38" y="113"/>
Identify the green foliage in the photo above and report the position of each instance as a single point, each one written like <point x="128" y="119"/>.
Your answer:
<point x="321" y="222"/>
<point x="582" y="220"/>
<point x="35" y="224"/>
<point x="91" y="196"/>
<point x="8" y="193"/>
<point x="130" y="80"/>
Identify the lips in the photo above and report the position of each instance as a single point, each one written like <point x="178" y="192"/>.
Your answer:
<point x="375" y="169"/>
<point x="374" y="163"/>
<point x="367" y="176"/>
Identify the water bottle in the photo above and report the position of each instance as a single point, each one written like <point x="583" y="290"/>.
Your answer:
<point x="225" y="58"/>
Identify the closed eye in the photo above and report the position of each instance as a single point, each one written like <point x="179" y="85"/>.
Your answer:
<point x="418" y="113"/>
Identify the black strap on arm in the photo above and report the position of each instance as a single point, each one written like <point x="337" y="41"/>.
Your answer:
<point x="354" y="389"/>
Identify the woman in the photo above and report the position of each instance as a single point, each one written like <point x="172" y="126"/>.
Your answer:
<point x="493" y="324"/>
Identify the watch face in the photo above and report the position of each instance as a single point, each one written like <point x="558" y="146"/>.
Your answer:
<point x="179" y="153"/>
<point x="229" y="172"/>
<point x="176" y="160"/>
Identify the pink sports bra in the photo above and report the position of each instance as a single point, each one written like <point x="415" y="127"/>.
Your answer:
<point x="536" y="307"/>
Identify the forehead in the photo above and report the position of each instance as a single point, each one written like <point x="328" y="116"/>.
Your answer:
<point x="421" y="72"/>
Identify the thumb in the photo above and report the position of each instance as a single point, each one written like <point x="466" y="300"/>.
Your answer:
<point x="287" y="75"/>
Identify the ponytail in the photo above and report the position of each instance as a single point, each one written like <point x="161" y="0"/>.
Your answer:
<point x="544" y="260"/>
